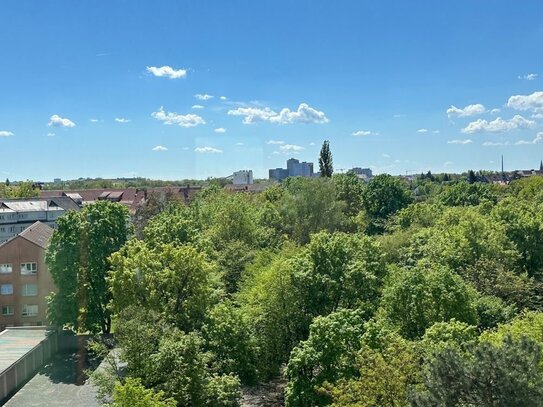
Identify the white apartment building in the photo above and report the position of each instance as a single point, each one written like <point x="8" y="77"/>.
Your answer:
<point x="16" y="216"/>
<point x="243" y="177"/>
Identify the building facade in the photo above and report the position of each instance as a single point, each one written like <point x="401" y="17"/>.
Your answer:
<point x="295" y="168"/>
<point x="18" y="215"/>
<point x="25" y="281"/>
<point x="243" y="177"/>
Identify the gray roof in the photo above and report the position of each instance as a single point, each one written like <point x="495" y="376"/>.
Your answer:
<point x="39" y="234"/>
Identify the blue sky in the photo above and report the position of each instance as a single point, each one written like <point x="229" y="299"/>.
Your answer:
<point x="107" y="88"/>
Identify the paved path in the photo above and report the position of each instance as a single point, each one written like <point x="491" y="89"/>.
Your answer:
<point x="60" y="383"/>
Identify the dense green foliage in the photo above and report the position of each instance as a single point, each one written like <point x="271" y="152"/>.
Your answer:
<point x="77" y="258"/>
<point x="386" y="293"/>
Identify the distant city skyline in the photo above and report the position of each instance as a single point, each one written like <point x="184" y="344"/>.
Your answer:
<point x="192" y="90"/>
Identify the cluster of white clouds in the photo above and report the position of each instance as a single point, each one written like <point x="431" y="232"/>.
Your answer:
<point x="290" y="147"/>
<point x="167" y="72"/>
<point x="197" y="107"/>
<point x="529" y="76"/>
<point x="220" y="130"/>
<point x="160" y="148"/>
<point x="207" y="150"/>
<point x="187" y="120"/>
<point x="276" y="142"/>
<point x="463" y="142"/>
<point x="303" y="114"/>
<point x="364" y="133"/>
<point x="203" y="96"/>
<point x="5" y="133"/>
<point x="498" y="125"/>
<point x="531" y="103"/>
<point x="538" y="139"/>
<point x="469" y="110"/>
<point x="57" y="121"/>
<point x="423" y="130"/>
<point x="122" y="120"/>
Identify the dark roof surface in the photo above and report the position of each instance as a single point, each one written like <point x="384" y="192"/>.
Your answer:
<point x="39" y="234"/>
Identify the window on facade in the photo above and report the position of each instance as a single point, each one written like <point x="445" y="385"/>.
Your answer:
<point x="29" y="290"/>
<point x="12" y="229"/>
<point x="30" y="310"/>
<point x="6" y="268"/>
<point x="6" y="289"/>
<point x="8" y="310"/>
<point x="3" y="230"/>
<point x="29" y="268"/>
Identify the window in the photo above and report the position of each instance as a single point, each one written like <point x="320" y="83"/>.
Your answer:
<point x="29" y="268"/>
<point x="8" y="310"/>
<point x="6" y="268"/>
<point x="30" y="310"/>
<point x="6" y="289"/>
<point x="29" y="290"/>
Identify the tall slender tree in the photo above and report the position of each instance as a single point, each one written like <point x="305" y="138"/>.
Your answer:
<point x="325" y="160"/>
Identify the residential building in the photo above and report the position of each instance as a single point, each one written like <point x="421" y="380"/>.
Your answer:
<point x="130" y="197"/>
<point x="295" y="168"/>
<point x="17" y="215"/>
<point x="278" y="174"/>
<point x="364" y="173"/>
<point x="25" y="281"/>
<point x="243" y="177"/>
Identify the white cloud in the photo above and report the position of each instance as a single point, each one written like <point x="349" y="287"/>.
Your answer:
<point x="533" y="102"/>
<point x="220" y="130"/>
<point x="447" y="163"/>
<point x="167" y="72"/>
<point x="239" y="143"/>
<point x="204" y="96"/>
<point x="422" y="131"/>
<point x="278" y="142"/>
<point x="498" y="125"/>
<point x="385" y="155"/>
<point x="207" y="150"/>
<point x="537" y="116"/>
<point x="469" y="110"/>
<point x="253" y="114"/>
<point x="122" y="120"/>
<point x="303" y="114"/>
<point x="159" y="148"/>
<point x="436" y="131"/>
<point x="5" y="133"/>
<point x="312" y="143"/>
<point x="538" y="139"/>
<point x="495" y="144"/>
<point x="468" y="141"/>
<point x="188" y="120"/>
<point x="528" y="77"/>
<point x="290" y="147"/>
<point x="94" y="120"/>
<point x="58" y="121"/>
<point x="223" y="98"/>
<point x="363" y="133"/>
<point x="51" y="134"/>
<point x="495" y="111"/>
<point x="197" y="107"/>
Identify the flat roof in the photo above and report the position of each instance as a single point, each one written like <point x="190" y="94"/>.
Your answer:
<point x="17" y="342"/>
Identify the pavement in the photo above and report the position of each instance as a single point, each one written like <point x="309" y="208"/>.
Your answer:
<point x="60" y="383"/>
